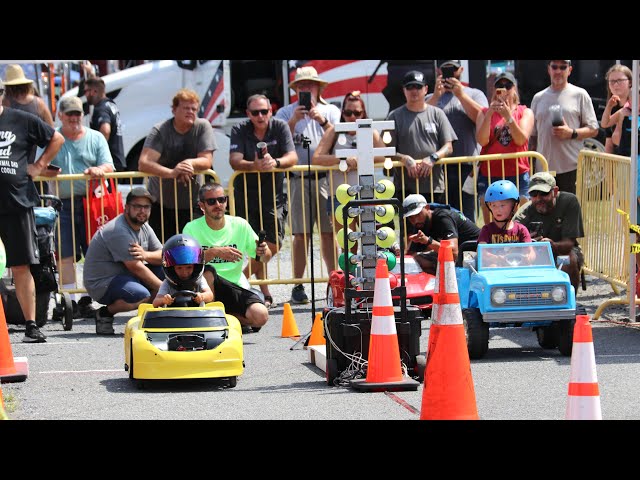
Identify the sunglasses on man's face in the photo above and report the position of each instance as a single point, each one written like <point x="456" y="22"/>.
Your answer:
<point x="263" y="111"/>
<point x="213" y="200"/>
<point x="73" y="114"/>
<point x="561" y="67"/>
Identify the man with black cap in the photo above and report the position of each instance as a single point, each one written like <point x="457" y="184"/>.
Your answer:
<point x="423" y="133"/>
<point x="564" y="117"/>
<point x="122" y="267"/>
<point x="461" y="104"/>
<point x="434" y="225"/>
<point x="554" y="216"/>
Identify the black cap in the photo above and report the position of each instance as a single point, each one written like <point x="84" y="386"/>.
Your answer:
<point x="139" y="191"/>
<point x="414" y="77"/>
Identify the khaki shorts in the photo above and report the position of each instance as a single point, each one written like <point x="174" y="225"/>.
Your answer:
<point x="300" y="218"/>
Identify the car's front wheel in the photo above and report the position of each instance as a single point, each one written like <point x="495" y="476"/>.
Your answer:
<point x="476" y="331"/>
<point x="565" y="336"/>
<point x="547" y="336"/>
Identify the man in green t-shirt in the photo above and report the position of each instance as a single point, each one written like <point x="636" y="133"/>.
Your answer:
<point x="227" y="239"/>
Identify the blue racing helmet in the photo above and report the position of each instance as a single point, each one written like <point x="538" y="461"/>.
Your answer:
<point x="182" y="250"/>
<point x="502" y="190"/>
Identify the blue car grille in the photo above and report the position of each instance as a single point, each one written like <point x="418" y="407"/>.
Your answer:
<point x="539" y="295"/>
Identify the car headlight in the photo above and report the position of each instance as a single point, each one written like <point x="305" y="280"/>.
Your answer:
<point x="498" y="296"/>
<point x="559" y="294"/>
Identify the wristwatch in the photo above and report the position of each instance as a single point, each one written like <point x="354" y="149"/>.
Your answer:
<point x="277" y="163"/>
<point x="326" y="120"/>
<point x="430" y="241"/>
<point x="574" y="134"/>
<point x="434" y="157"/>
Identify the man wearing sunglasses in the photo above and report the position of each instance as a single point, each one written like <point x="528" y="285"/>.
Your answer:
<point x="261" y="143"/>
<point x="461" y="104"/>
<point x="227" y="239"/>
<point x="20" y="133"/>
<point x="423" y="132"/>
<point x="432" y="226"/>
<point x="561" y="144"/>
<point x="561" y="218"/>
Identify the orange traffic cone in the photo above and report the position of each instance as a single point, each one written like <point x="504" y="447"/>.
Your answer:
<point x="289" y="326"/>
<point x="317" y="332"/>
<point x="448" y="392"/>
<point x="11" y="370"/>
<point x="384" y="371"/>
<point x="583" y="401"/>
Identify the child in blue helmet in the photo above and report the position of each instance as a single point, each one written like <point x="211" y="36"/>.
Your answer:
<point x="183" y="265"/>
<point x="502" y="198"/>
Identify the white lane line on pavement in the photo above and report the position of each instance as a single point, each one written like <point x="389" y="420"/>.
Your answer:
<point x="83" y="371"/>
<point x="13" y="345"/>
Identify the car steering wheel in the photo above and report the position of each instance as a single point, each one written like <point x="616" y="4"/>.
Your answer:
<point x="514" y="259"/>
<point x="183" y="298"/>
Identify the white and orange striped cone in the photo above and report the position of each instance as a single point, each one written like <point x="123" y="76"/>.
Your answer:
<point x="384" y="369"/>
<point x="448" y="392"/>
<point x="583" y="400"/>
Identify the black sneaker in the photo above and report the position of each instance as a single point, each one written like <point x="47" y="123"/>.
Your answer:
<point x="246" y="329"/>
<point x="33" y="334"/>
<point x="104" y="321"/>
<point x="298" y="295"/>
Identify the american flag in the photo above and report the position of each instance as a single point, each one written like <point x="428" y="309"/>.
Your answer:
<point x="213" y="97"/>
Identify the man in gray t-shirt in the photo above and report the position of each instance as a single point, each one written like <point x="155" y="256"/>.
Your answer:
<point x="174" y="150"/>
<point x="422" y="132"/>
<point x="461" y="104"/>
<point x="122" y="265"/>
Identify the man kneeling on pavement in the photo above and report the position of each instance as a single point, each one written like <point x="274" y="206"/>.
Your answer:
<point x="226" y="239"/>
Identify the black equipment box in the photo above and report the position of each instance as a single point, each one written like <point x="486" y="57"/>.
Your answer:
<point x="352" y="337"/>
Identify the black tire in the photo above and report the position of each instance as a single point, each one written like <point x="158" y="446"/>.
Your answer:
<point x="67" y="314"/>
<point x="332" y="371"/>
<point x="233" y="381"/>
<point x="565" y="336"/>
<point x="476" y="331"/>
<point x="420" y="367"/>
<point x="42" y="308"/>
<point x="547" y="336"/>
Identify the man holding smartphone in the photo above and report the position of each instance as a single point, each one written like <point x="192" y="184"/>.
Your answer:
<point x="308" y="118"/>
<point x="461" y="104"/>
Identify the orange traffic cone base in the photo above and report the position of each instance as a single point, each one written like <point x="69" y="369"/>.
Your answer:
<point x="21" y="371"/>
<point x="404" y="385"/>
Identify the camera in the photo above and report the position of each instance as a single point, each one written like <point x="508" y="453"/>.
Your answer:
<point x="304" y="99"/>
<point x="500" y="92"/>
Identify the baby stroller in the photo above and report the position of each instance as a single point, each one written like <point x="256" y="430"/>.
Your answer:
<point x="44" y="274"/>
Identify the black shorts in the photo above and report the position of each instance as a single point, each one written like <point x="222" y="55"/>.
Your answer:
<point x="235" y="298"/>
<point x="268" y="219"/>
<point x="19" y="235"/>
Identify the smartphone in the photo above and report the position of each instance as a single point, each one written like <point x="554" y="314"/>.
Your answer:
<point x="447" y="72"/>
<point x="54" y="168"/>
<point x="535" y="229"/>
<point x="304" y="99"/>
<point x="500" y="92"/>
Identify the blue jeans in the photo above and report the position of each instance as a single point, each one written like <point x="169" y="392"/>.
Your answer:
<point x="129" y="288"/>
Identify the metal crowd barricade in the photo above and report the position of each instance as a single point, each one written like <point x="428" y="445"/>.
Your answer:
<point x="53" y="188"/>
<point x="602" y="187"/>
<point x="287" y="277"/>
